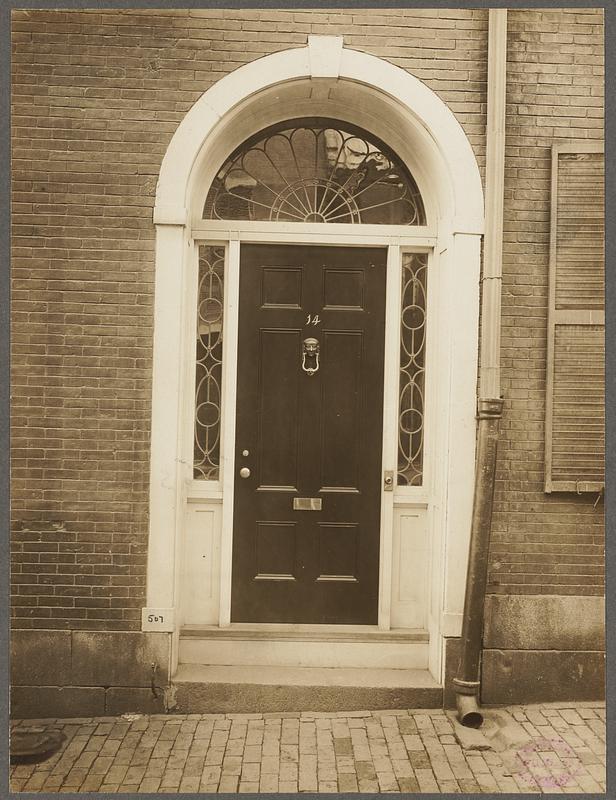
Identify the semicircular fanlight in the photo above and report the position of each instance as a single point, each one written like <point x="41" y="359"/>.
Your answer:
<point x="315" y="171"/>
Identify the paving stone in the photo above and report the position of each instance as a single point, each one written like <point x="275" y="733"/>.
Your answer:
<point x="135" y="774"/>
<point x="571" y="716"/>
<point x="413" y="742"/>
<point x="52" y="783"/>
<point x="210" y="774"/>
<point x="402" y="768"/>
<point x="419" y="760"/>
<point x="448" y="787"/>
<point x="468" y="785"/>
<point x="189" y="784"/>
<point x="269" y="765"/>
<point x="365" y="770"/>
<point x="426" y="780"/>
<point x="369" y="753"/>
<point x="288" y="771"/>
<point x="327" y="772"/>
<point x="171" y="777"/>
<point x="149" y="784"/>
<point x="251" y="788"/>
<point x="397" y="750"/>
<point x="268" y="783"/>
<point x="36" y="781"/>
<point x="101" y="766"/>
<point x="347" y="782"/>
<point x="307" y="777"/>
<point x="235" y="747"/>
<point x="250" y="772"/>
<point x="387" y="781"/>
<point x="289" y="752"/>
<point x="228" y="783"/>
<point x="252" y="753"/>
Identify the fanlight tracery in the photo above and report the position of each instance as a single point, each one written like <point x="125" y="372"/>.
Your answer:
<point x="315" y="171"/>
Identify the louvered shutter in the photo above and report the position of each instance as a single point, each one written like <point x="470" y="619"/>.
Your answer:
<point x="575" y="408"/>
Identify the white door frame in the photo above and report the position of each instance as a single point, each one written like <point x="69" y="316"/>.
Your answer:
<point x="322" y="79"/>
<point x="224" y="488"/>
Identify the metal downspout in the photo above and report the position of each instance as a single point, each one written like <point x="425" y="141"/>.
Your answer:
<point x="489" y="403"/>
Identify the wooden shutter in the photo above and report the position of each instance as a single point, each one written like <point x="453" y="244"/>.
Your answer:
<point x="575" y="407"/>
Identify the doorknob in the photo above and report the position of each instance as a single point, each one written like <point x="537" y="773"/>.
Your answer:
<point x="244" y="472"/>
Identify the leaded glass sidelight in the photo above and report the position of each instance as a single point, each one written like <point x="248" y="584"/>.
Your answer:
<point x="315" y="170"/>
<point x="412" y="369"/>
<point x="208" y="362"/>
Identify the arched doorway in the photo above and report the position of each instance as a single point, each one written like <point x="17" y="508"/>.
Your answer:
<point x="218" y="226"/>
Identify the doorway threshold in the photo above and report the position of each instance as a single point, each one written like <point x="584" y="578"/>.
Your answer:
<point x="303" y="646"/>
<point x="323" y="633"/>
<point x="241" y="689"/>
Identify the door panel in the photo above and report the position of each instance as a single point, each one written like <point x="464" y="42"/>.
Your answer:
<point x="340" y="409"/>
<point x="278" y="399"/>
<point x="315" y="439"/>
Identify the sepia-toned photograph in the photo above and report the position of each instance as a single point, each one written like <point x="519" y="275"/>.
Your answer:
<point x="307" y="400"/>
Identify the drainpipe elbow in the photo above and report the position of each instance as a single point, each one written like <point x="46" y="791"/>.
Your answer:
<point x="469" y="713"/>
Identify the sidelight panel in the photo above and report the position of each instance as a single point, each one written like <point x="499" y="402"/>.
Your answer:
<point x="412" y="370"/>
<point x="208" y="373"/>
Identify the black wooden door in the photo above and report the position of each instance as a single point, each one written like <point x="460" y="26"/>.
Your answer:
<point x="308" y="439"/>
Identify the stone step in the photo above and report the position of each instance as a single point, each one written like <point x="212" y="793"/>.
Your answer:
<point x="347" y="633"/>
<point x="199" y="689"/>
<point x="304" y="646"/>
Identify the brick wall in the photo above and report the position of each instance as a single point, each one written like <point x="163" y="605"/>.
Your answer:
<point x="96" y="99"/>
<point x="540" y="543"/>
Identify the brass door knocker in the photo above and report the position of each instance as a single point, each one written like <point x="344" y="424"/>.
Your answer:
<point x="310" y="349"/>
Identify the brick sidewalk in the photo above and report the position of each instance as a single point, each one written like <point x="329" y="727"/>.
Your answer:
<point x="559" y="748"/>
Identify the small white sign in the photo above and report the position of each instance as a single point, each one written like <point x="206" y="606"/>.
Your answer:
<point x="157" y="619"/>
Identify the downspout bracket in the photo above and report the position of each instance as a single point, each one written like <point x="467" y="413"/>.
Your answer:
<point x="490" y="408"/>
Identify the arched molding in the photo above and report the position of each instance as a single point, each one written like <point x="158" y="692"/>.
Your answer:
<point x="322" y="79"/>
<point x="373" y="93"/>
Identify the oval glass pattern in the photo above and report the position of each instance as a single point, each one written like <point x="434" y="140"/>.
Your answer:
<point x="412" y="369"/>
<point x="208" y="375"/>
<point x="315" y="170"/>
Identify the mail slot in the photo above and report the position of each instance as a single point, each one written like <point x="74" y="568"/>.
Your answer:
<point x="307" y="503"/>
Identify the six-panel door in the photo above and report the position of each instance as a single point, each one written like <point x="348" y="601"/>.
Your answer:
<point x="308" y="445"/>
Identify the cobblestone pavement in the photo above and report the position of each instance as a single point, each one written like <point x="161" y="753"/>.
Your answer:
<point x="561" y="749"/>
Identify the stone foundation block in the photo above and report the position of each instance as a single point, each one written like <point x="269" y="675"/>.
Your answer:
<point x="41" y="702"/>
<point x="540" y="676"/>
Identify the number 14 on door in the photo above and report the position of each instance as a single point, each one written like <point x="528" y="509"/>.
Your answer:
<point x="313" y="320"/>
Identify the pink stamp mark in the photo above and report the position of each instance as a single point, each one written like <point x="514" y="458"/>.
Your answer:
<point x="541" y="763"/>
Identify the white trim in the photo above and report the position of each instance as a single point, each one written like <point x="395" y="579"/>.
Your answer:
<point x="307" y="233"/>
<point x="325" y="54"/>
<point x="402" y="111"/>
<point x="166" y="481"/>
<point x="451" y="624"/>
<point x="453" y="163"/>
<point x="390" y="427"/>
<point x="229" y="399"/>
